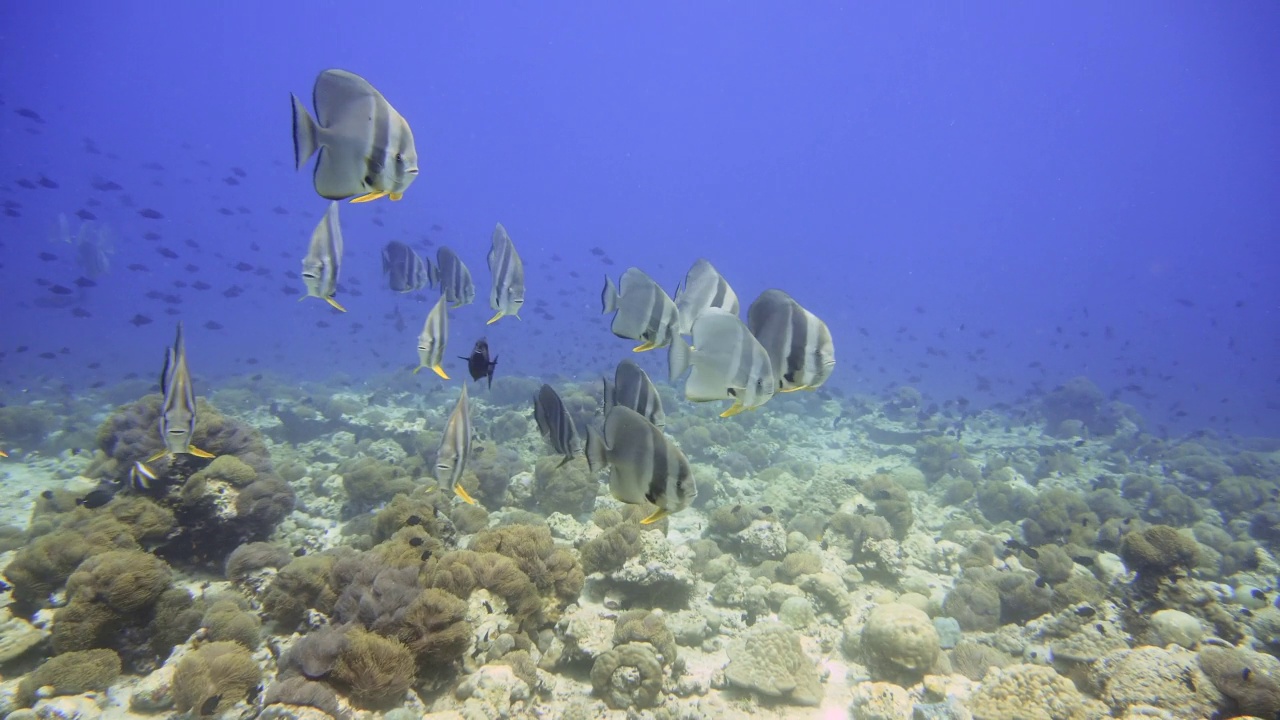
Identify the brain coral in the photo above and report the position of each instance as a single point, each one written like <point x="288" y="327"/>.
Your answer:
<point x="768" y="659"/>
<point x="900" y="642"/>
<point x="1031" y="692"/>
<point x="1170" y="680"/>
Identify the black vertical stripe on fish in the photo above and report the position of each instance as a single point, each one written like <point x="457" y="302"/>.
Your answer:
<point x="796" y="355"/>
<point x="376" y="158"/>
<point x="658" y="478"/>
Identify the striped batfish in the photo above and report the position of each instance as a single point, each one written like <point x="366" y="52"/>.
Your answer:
<point x="506" y="295"/>
<point x="405" y="271"/>
<point x="645" y="466"/>
<point x="644" y="310"/>
<point x="453" y="278"/>
<point x="435" y="334"/>
<point x="178" y="409"/>
<point x="555" y="424"/>
<point x="632" y="388"/>
<point x="728" y="363"/>
<point x="365" y="147"/>
<point x="798" y="343"/>
<point x="455" y="448"/>
<point x="703" y="287"/>
<point x="324" y="259"/>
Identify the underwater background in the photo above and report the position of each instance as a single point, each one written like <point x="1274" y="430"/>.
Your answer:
<point x="1043" y="238"/>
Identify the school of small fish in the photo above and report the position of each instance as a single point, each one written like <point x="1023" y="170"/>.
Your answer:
<point x="365" y="151"/>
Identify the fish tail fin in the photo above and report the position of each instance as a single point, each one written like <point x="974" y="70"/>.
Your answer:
<point x="305" y="132"/>
<point x="596" y="457"/>
<point x="335" y="304"/>
<point x="198" y="452"/>
<point x="654" y="517"/>
<point x="496" y="317"/>
<point x="734" y="409"/>
<point x="439" y="371"/>
<point x="462" y="493"/>
<point x="678" y="354"/>
<point x="609" y="296"/>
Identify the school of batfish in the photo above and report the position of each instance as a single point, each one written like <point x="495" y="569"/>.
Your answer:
<point x="364" y="151"/>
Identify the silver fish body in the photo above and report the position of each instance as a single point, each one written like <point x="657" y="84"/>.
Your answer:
<point x="644" y="310"/>
<point x="434" y="337"/>
<point x="365" y="147"/>
<point x="632" y="388"/>
<point x="455" y="448"/>
<point x="506" y="294"/>
<point x="729" y="363"/>
<point x="323" y="261"/>
<point x="453" y="278"/>
<point x="405" y="270"/>
<point x="645" y="466"/>
<point x="178" y="406"/>
<point x="703" y="287"/>
<point x="797" y="341"/>
<point x="554" y="423"/>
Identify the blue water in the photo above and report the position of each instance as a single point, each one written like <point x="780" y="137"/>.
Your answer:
<point x="972" y="195"/>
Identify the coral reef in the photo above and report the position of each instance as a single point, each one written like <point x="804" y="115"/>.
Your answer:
<point x="214" y="675"/>
<point x="628" y="676"/>
<point x="899" y="643"/>
<point x="769" y="659"/>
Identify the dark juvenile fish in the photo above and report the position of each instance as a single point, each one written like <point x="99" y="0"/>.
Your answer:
<point x="478" y="362"/>
<point x="554" y="423"/>
<point x="95" y="498"/>
<point x="405" y="270"/>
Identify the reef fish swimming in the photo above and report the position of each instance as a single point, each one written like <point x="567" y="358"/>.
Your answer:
<point x="632" y="388"/>
<point x="644" y="310"/>
<point x="703" y="287"/>
<point x="798" y="343"/>
<point x="365" y="147"/>
<point x="455" y="448"/>
<point x="554" y="423"/>
<point x="645" y="465"/>
<point x="506" y="295"/>
<point x="178" y="410"/>
<point x="324" y="259"/>
<point x="729" y="363"/>
<point x="478" y="363"/>
<point x="405" y="270"/>
<point x="453" y="277"/>
<point x="434" y="337"/>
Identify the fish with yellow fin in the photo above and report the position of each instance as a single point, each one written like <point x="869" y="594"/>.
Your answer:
<point x="455" y="448"/>
<point x="435" y="334"/>
<point x="178" y="409"/>
<point x="365" y="147"/>
<point x="645" y="466"/>
<point x="324" y="259"/>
